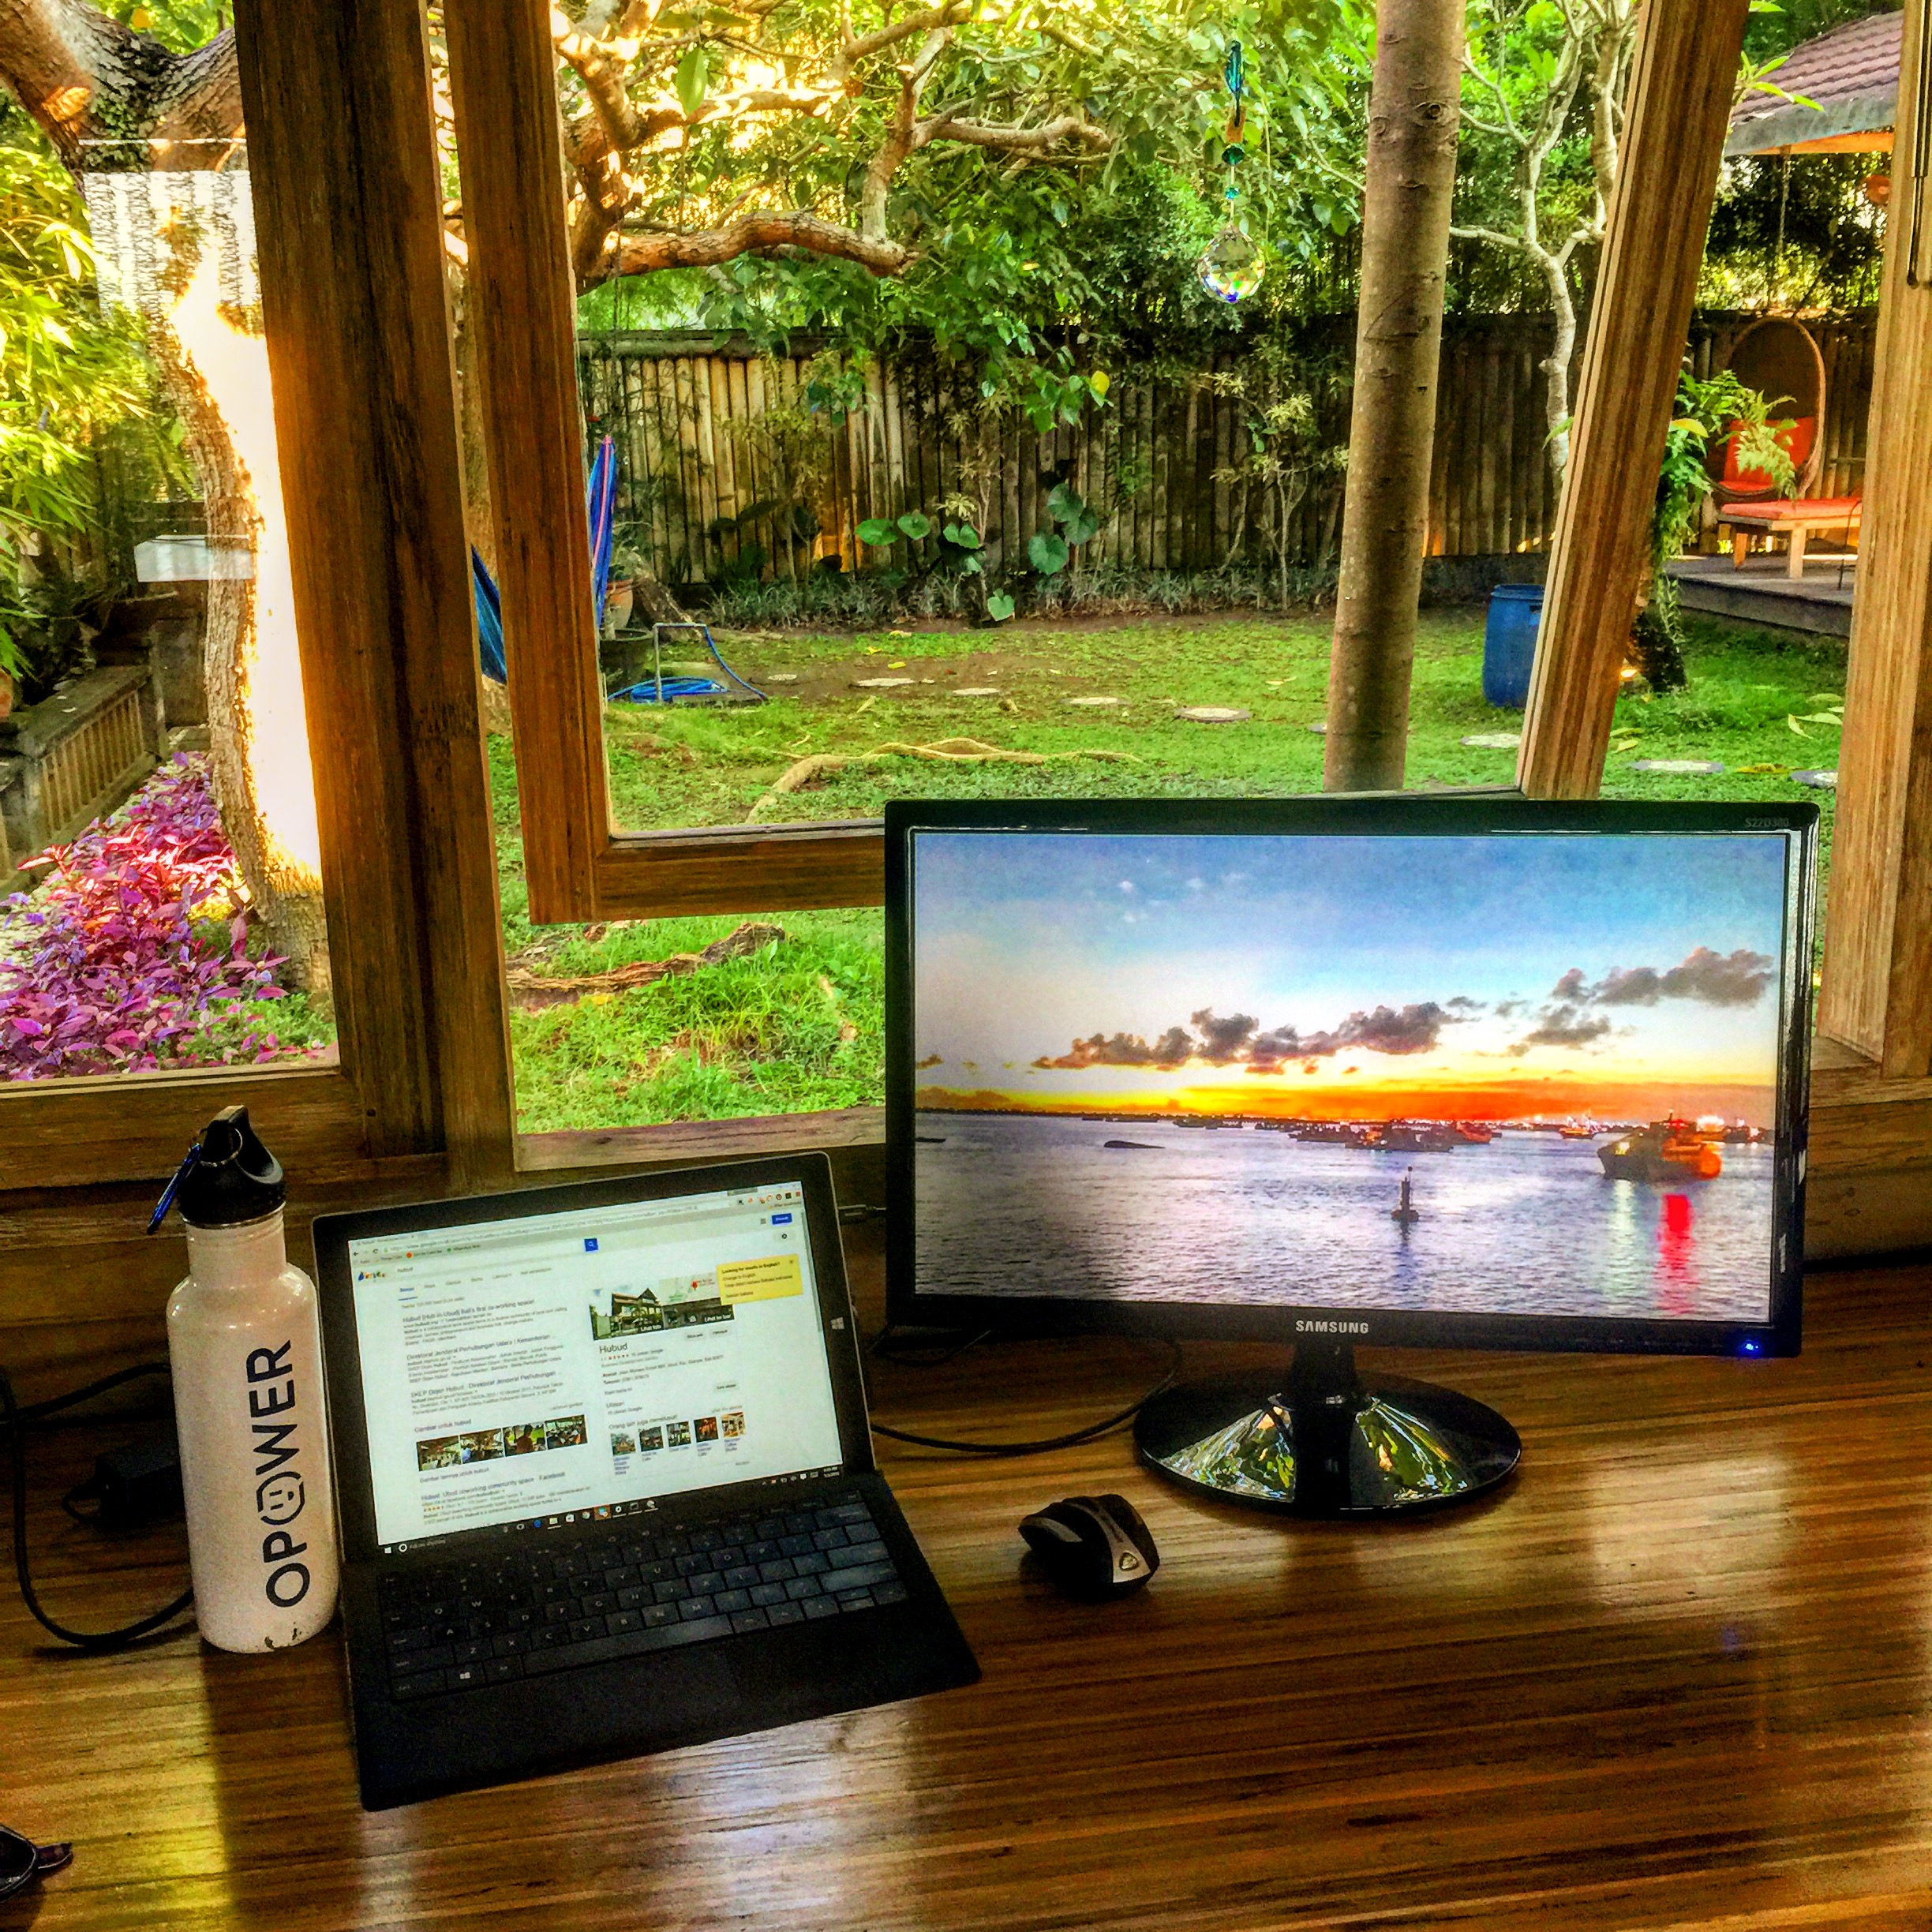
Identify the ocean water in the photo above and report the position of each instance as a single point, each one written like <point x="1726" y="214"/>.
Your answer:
<point x="1529" y="1224"/>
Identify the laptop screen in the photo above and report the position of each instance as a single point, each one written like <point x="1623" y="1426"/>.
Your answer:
<point x="524" y="1372"/>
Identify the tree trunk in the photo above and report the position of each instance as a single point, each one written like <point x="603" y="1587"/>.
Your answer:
<point x="1556" y="369"/>
<point x="1414" y="116"/>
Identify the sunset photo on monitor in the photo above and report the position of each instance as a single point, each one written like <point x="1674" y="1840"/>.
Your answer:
<point x="1419" y="1072"/>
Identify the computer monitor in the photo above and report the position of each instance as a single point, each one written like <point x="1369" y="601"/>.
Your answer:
<point x="1461" y="1072"/>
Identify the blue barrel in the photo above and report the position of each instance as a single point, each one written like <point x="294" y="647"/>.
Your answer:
<point x="1509" y="644"/>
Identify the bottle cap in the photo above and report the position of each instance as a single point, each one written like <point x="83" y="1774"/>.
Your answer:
<point x="227" y="1178"/>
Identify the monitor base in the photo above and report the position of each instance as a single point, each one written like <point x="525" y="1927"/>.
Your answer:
<point x="1318" y="1441"/>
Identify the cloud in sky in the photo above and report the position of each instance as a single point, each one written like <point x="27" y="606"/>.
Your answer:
<point x="1234" y="1040"/>
<point x="1711" y="978"/>
<point x="1572" y="1017"/>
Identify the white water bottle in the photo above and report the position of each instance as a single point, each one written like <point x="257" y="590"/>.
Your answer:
<point x="244" y="1346"/>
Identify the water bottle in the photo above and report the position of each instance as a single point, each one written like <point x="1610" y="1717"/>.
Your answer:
<point x="245" y="1347"/>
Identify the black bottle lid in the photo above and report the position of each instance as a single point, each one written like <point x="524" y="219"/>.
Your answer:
<point x="228" y="1177"/>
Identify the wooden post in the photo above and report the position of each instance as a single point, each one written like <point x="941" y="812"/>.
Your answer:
<point x="1682" y="85"/>
<point x="348" y="208"/>
<point x="1414" y="112"/>
<point x="1877" y="992"/>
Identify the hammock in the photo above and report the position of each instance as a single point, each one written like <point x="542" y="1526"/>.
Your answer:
<point x="602" y="509"/>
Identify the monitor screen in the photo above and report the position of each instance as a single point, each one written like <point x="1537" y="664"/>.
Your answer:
<point x="1446" y="1069"/>
<point x="532" y="1371"/>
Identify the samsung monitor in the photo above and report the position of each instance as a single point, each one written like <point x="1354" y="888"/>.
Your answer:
<point x="1463" y="1072"/>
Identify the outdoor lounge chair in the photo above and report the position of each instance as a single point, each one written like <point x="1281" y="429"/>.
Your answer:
<point x="1779" y="358"/>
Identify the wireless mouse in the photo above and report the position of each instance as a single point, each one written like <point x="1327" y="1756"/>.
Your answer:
<point x="1092" y="1546"/>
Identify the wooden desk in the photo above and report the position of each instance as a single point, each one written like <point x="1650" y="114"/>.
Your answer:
<point x="1678" y="1676"/>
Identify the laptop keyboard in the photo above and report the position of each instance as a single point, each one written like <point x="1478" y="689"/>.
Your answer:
<point x="525" y="1614"/>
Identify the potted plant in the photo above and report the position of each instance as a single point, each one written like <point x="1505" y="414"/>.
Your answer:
<point x="627" y="565"/>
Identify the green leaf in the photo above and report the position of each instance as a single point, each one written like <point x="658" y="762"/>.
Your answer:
<point x="1064" y="503"/>
<point x="1048" y="553"/>
<point x="878" y="530"/>
<point x="915" y="526"/>
<point x="693" y="77"/>
<point x="1082" y="528"/>
<point x="963" y="534"/>
<point x="999" y="607"/>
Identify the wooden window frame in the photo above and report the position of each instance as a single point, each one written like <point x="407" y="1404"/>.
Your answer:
<point x="345" y="175"/>
<point x="348" y="211"/>
<point x="523" y="297"/>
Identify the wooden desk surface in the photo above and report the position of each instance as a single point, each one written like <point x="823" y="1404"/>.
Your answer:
<point x="1679" y="1675"/>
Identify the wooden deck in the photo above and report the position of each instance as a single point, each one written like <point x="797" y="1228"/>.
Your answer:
<point x="1763" y="595"/>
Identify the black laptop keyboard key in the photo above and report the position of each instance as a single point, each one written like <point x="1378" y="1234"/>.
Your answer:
<point x="632" y="1643"/>
<point x="840" y="1581"/>
<point x="450" y="1630"/>
<point x="856" y="1556"/>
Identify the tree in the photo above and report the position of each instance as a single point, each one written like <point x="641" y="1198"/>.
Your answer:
<point x="105" y="97"/>
<point x="1411" y="181"/>
<point x="1531" y="71"/>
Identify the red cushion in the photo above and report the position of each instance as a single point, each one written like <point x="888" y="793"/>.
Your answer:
<point x="1796" y="441"/>
<point x="1808" y="510"/>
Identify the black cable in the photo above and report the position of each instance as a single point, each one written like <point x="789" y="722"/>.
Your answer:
<point x="1068" y="1441"/>
<point x="933" y="1356"/>
<point x="16" y="1418"/>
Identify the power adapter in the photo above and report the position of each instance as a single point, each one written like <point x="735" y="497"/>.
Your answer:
<point x="131" y="1488"/>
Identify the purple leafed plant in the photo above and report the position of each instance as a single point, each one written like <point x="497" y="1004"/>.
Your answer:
<point x="110" y="974"/>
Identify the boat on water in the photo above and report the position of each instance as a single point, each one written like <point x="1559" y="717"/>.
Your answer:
<point x="1405" y="1213"/>
<point x="1138" y="1146"/>
<point x="1474" y="1133"/>
<point x="1669" y="1151"/>
<point x="1414" y="1137"/>
<point x="1578" y="1130"/>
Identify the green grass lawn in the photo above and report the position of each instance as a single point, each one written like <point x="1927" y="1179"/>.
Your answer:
<point x="798" y="1026"/>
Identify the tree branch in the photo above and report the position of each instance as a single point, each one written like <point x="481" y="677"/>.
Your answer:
<point x="642" y="254"/>
<point x="1033" y="141"/>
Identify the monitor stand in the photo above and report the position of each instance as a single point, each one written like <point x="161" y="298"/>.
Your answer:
<point x="1320" y="1442"/>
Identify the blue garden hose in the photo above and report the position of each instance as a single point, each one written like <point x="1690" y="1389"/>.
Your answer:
<point x="658" y="689"/>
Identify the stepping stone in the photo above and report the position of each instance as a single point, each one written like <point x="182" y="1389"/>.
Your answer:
<point x="1214" y="714"/>
<point x="1818" y="780"/>
<point x="1679" y="768"/>
<point x="977" y="691"/>
<point x="879" y="684"/>
<point x="1494" y="741"/>
<point x="1320" y="730"/>
<point x="1095" y="704"/>
<point x="780" y="677"/>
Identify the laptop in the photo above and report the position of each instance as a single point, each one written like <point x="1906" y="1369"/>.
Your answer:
<point x="604" y="1477"/>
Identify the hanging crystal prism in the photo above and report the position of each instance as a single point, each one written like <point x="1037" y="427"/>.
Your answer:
<point x="1232" y="264"/>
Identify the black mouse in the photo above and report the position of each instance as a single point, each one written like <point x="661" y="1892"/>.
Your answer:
<point x="1092" y="1546"/>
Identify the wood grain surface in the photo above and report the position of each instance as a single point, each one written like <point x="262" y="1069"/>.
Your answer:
<point x="1676" y="1676"/>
